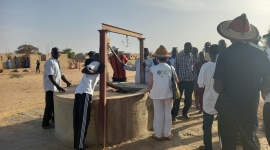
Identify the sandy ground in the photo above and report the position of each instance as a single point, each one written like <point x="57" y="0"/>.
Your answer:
<point x="22" y="106"/>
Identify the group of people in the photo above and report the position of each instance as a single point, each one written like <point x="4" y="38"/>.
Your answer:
<point x="221" y="82"/>
<point x="25" y="63"/>
<point x="228" y="83"/>
<point x="225" y="80"/>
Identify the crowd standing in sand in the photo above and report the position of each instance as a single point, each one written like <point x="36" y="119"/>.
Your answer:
<point x="226" y="80"/>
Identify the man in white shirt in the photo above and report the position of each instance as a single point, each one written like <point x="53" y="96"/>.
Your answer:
<point x="52" y="81"/>
<point x="205" y="80"/>
<point x="83" y="100"/>
<point x="136" y="67"/>
<point x="266" y="108"/>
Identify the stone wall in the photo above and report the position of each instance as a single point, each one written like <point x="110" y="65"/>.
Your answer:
<point x="4" y="58"/>
<point x="131" y="56"/>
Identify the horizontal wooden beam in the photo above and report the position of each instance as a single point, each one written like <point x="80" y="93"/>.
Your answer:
<point x="121" y="31"/>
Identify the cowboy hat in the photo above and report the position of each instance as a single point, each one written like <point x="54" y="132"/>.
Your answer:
<point x="238" y="29"/>
<point x="161" y="52"/>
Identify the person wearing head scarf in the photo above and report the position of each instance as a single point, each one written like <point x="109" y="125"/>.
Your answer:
<point x="9" y="63"/>
<point x="161" y="91"/>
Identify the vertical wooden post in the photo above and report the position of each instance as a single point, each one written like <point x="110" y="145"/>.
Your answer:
<point x="142" y="70"/>
<point x="102" y="88"/>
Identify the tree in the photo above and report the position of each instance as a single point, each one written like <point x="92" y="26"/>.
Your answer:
<point x="80" y="53"/>
<point x="69" y="52"/>
<point x="27" y="49"/>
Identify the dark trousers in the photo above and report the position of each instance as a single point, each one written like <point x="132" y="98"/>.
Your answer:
<point x="186" y="86"/>
<point x="81" y="118"/>
<point x="266" y="119"/>
<point x="229" y="125"/>
<point x="207" y="130"/>
<point x="49" y="109"/>
<point x="37" y="70"/>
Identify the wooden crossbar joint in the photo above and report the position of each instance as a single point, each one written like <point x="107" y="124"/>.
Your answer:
<point x="122" y="31"/>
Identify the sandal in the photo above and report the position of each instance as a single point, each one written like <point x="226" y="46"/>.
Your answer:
<point x="156" y="138"/>
<point x="168" y="138"/>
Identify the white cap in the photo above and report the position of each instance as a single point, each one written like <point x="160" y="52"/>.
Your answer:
<point x="114" y="48"/>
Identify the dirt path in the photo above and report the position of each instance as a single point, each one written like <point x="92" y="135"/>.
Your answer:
<point x="23" y="131"/>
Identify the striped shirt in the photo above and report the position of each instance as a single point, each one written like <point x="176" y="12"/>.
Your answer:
<point x="184" y="67"/>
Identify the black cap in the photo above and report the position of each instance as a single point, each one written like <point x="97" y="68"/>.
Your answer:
<point x="91" y="53"/>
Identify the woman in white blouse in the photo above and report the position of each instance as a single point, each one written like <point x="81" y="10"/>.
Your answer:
<point x="160" y="88"/>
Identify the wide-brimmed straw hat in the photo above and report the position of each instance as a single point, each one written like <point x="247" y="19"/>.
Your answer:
<point x="238" y="29"/>
<point x="161" y="52"/>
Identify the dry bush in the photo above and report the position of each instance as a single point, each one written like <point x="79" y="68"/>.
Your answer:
<point x="26" y="70"/>
<point x="15" y="70"/>
<point x="16" y="75"/>
<point x="1" y="70"/>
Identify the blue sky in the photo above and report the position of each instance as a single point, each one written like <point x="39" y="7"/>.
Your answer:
<point x="74" y="24"/>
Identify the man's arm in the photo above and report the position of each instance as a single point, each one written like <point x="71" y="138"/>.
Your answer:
<point x="87" y="70"/>
<point x="218" y="86"/>
<point x="65" y="80"/>
<point x="125" y="59"/>
<point x="220" y="75"/>
<point x="131" y="68"/>
<point x="200" y="79"/>
<point x="55" y="84"/>
<point x="150" y="84"/>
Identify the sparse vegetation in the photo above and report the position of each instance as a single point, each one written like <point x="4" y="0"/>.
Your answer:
<point x="130" y="62"/>
<point x="16" y="75"/>
<point x="26" y="70"/>
<point x="68" y="51"/>
<point x="15" y="70"/>
<point x="27" y="49"/>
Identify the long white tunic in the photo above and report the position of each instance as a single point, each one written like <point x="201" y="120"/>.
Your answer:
<point x="136" y="67"/>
